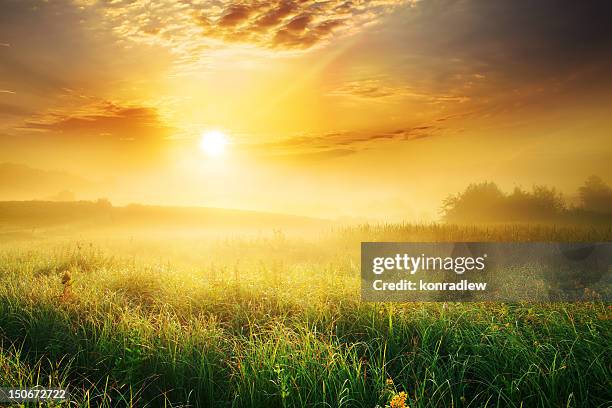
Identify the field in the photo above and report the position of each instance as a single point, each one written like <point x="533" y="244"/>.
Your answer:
<point x="267" y="319"/>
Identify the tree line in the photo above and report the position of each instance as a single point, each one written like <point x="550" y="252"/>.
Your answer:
<point x="486" y="203"/>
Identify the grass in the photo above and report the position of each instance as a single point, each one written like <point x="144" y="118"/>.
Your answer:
<point x="276" y="321"/>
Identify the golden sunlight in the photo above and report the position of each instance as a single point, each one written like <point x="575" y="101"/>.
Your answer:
<point x="213" y="142"/>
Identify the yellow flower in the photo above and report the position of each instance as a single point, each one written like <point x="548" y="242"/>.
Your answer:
<point x="389" y="381"/>
<point x="399" y="401"/>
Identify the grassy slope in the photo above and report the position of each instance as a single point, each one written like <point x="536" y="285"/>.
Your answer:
<point x="272" y="321"/>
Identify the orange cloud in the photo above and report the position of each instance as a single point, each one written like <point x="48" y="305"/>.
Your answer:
<point x="109" y="120"/>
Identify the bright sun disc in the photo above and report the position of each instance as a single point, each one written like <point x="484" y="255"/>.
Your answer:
<point x="213" y="143"/>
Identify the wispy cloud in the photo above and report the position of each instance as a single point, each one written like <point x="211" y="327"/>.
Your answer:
<point x="341" y="143"/>
<point x="381" y="89"/>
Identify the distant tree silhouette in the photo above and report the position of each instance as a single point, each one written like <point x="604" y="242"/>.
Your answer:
<point x="478" y="201"/>
<point x="596" y="196"/>
<point x="485" y="202"/>
<point x="103" y="203"/>
<point x="542" y="203"/>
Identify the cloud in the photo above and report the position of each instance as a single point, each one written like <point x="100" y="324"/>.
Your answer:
<point x="108" y="120"/>
<point x="342" y="143"/>
<point x="193" y="26"/>
<point x="236" y="14"/>
<point x="382" y="89"/>
<point x="283" y="24"/>
<point x="275" y="16"/>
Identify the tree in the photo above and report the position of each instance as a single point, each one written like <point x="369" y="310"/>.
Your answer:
<point x="103" y="203"/>
<point x="596" y="196"/>
<point x="485" y="202"/>
<point x="479" y="201"/>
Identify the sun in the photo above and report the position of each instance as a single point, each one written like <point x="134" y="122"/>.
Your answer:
<point x="213" y="142"/>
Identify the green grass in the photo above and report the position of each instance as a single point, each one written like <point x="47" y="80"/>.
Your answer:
<point x="276" y="321"/>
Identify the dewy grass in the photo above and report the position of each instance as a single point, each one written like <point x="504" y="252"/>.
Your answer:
<point x="277" y="322"/>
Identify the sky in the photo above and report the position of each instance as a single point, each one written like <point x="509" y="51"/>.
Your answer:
<point x="340" y="108"/>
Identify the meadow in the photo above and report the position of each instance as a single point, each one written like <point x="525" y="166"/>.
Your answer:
<point x="272" y="319"/>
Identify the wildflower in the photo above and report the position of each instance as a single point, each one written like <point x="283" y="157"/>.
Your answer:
<point x="398" y="401"/>
<point x="389" y="382"/>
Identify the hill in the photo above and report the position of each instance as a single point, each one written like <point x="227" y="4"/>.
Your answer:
<point x="21" y="182"/>
<point x="102" y="214"/>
